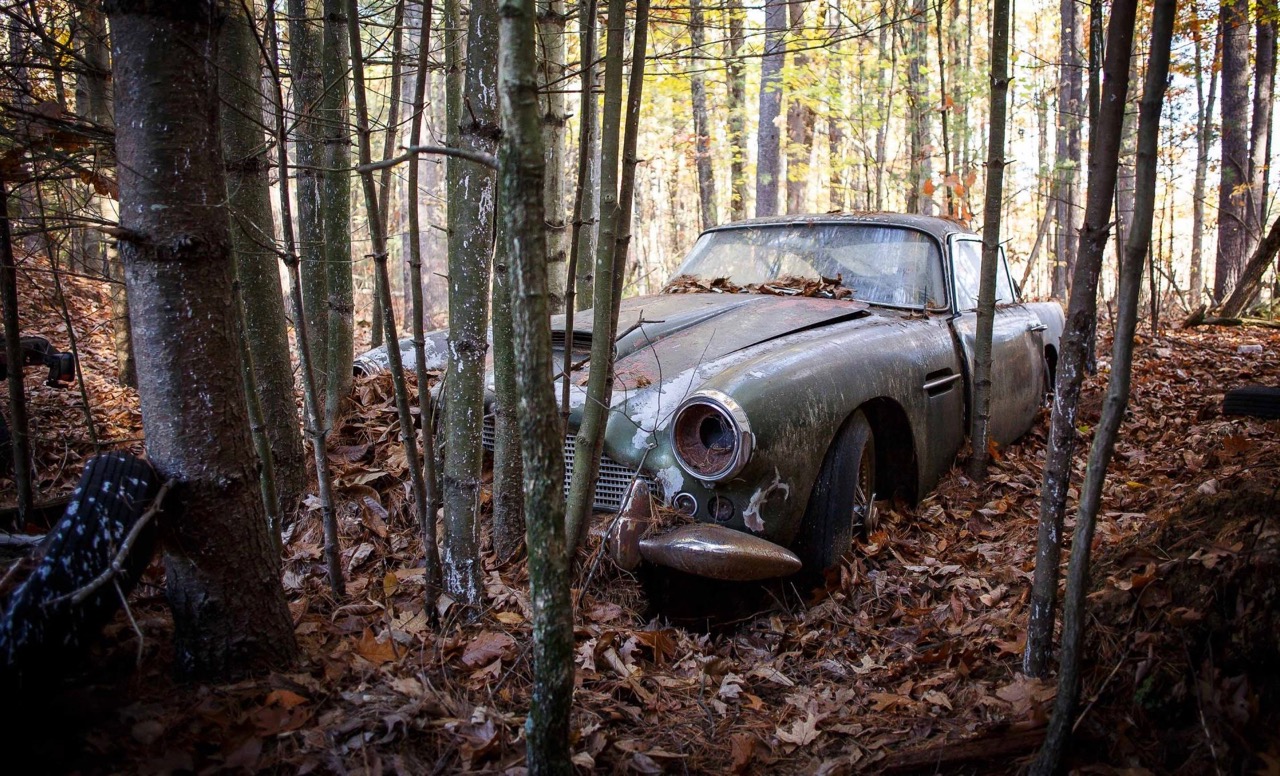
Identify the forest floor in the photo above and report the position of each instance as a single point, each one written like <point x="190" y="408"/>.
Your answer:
<point x="906" y="660"/>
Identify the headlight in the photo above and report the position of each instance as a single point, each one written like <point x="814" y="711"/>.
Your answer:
<point x="711" y="437"/>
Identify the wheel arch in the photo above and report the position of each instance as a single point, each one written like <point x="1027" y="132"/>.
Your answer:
<point x="897" y="467"/>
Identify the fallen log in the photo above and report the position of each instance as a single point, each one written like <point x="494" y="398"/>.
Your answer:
<point x="997" y="744"/>
<point x="1201" y="318"/>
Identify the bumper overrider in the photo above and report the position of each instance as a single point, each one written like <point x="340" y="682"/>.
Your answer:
<point x="703" y="549"/>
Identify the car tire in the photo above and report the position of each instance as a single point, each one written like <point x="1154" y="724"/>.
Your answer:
<point x="842" y="502"/>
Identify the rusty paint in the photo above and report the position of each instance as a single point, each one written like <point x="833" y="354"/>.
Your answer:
<point x="624" y="539"/>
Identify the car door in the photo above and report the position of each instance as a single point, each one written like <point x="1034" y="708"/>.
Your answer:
<point x="1017" y="374"/>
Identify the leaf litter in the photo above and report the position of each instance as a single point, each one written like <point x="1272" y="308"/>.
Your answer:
<point x="909" y="650"/>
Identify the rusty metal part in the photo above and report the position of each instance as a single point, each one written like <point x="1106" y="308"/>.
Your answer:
<point x="719" y="553"/>
<point x="624" y="539"/>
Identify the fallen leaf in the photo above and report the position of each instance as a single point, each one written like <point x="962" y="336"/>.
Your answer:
<point x="486" y="647"/>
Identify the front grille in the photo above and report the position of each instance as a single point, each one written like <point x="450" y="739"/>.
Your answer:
<point x="611" y="485"/>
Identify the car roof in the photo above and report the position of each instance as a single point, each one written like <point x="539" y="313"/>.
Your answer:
<point x="939" y="228"/>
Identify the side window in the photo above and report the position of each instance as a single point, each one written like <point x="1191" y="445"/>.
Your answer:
<point x="967" y="260"/>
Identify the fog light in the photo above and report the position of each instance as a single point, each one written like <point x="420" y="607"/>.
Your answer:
<point x="685" y="503"/>
<point x="721" y="509"/>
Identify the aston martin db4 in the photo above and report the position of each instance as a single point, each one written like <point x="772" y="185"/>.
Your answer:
<point x="792" y="373"/>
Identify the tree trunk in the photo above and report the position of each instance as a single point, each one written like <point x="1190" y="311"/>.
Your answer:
<point x="586" y="218"/>
<point x="551" y="53"/>
<point x="615" y="235"/>
<point x="93" y="104"/>
<point x="1068" y="148"/>
<point x="1204" y="138"/>
<point x="471" y="210"/>
<point x="306" y="40"/>
<point x="1251" y="275"/>
<point x="253" y="241"/>
<point x="223" y="577"/>
<point x="920" y="172"/>
<point x="768" y="159"/>
<point x="799" y="125"/>
<point x="998" y="114"/>
<point x="1259" y="130"/>
<point x="19" y="427"/>
<point x="1233" y="235"/>
<point x="736" y="74"/>
<point x="1050" y="757"/>
<point x="508" y="507"/>
<point x="548" y="725"/>
<point x="1081" y="314"/>
<point x="335" y="202"/>
<point x="887" y="48"/>
<point x="701" y="122"/>
<point x="426" y="404"/>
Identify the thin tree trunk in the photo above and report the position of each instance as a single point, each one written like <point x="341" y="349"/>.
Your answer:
<point x="1204" y="137"/>
<point x="471" y="208"/>
<point x="1050" y="757"/>
<point x="93" y="104"/>
<point x="1233" y="234"/>
<point x="586" y="209"/>
<point x="921" y="166"/>
<point x="1264" y="64"/>
<point x="887" y="48"/>
<point x="799" y="125"/>
<point x="701" y="122"/>
<point x="548" y="726"/>
<point x="1081" y="314"/>
<point x="998" y="114"/>
<point x="311" y="396"/>
<point x="19" y="427"/>
<point x="943" y="112"/>
<point x="426" y="404"/>
<point x="736" y="74"/>
<point x="253" y="242"/>
<point x="1067" y="165"/>
<point x="615" y="223"/>
<point x="306" y="40"/>
<point x="175" y="246"/>
<point x="335" y="201"/>
<point x="768" y="159"/>
<point x="508" y="507"/>
<point x="551" y="53"/>
<point x="377" y="217"/>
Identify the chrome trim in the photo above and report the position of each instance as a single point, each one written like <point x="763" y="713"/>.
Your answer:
<point x="941" y="381"/>
<point x="730" y="409"/>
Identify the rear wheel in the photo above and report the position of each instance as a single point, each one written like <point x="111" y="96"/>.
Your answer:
<point x="843" y="498"/>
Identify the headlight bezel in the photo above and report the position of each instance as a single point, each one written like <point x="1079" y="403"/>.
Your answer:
<point x="730" y="413"/>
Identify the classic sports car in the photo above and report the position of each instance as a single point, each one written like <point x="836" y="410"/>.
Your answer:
<point x="794" y="371"/>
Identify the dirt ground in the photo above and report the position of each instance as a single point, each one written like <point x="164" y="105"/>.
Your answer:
<point x="905" y="661"/>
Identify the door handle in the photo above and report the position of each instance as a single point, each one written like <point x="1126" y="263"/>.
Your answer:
<point x="1037" y="327"/>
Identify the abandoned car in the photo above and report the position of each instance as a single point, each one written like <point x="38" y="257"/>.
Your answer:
<point x="793" y="372"/>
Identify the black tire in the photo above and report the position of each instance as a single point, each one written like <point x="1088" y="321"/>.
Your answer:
<point x="842" y="501"/>
<point x="41" y="627"/>
<point x="1257" y="401"/>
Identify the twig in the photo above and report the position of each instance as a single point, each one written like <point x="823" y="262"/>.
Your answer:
<point x="479" y="157"/>
<point x="134" y="623"/>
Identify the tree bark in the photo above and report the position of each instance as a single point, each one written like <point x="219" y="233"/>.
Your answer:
<point x="1049" y="759"/>
<point x="306" y="41"/>
<point x="552" y="70"/>
<point x="1233" y="234"/>
<point x="253" y="241"/>
<point x="1081" y="314"/>
<point x="986" y="315"/>
<point x="768" y="158"/>
<point x="701" y="122"/>
<point x="921" y="165"/>
<point x="1068" y="148"/>
<point x="223" y="578"/>
<point x="1264" y="72"/>
<point x="426" y="404"/>
<point x="19" y="427"/>
<point x="1204" y="138"/>
<point x="736" y="74"/>
<point x="548" y="725"/>
<point x="799" y="125"/>
<point x="335" y="201"/>
<point x="586" y="209"/>
<point x="471" y="209"/>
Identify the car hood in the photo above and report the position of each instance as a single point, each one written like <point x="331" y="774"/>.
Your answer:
<point x="665" y="334"/>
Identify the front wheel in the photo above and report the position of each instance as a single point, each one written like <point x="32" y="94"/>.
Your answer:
<point x="843" y="498"/>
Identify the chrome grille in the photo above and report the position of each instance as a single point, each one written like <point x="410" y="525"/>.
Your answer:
<point x="612" y="483"/>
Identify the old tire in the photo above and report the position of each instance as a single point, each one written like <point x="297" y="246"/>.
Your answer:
<point x="842" y="500"/>
<point x="42" y="628"/>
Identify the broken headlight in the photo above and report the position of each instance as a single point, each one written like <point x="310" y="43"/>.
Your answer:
<point x="711" y="437"/>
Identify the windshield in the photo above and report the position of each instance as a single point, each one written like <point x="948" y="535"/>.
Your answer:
<point x="879" y="264"/>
